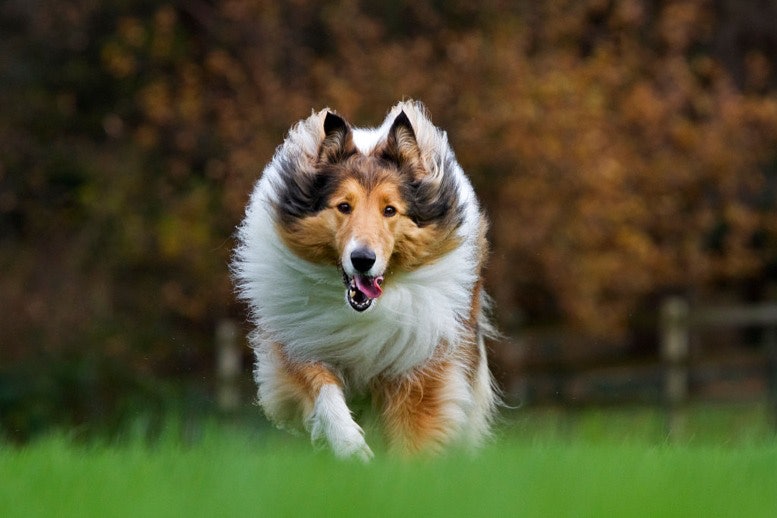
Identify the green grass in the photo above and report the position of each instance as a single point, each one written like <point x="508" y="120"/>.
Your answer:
<point x="227" y="472"/>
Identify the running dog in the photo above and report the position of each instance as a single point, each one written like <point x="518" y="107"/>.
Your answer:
<point x="360" y="257"/>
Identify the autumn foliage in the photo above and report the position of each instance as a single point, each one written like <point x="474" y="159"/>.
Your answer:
<point x="622" y="149"/>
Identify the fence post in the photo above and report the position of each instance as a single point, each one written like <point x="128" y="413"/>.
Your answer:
<point x="228" y="366"/>
<point x="674" y="354"/>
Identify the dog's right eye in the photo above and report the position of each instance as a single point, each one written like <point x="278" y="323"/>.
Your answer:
<point x="345" y="208"/>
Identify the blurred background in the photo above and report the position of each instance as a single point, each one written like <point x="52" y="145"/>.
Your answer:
<point x="625" y="151"/>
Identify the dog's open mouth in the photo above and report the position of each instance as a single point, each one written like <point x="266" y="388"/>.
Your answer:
<point x="361" y="290"/>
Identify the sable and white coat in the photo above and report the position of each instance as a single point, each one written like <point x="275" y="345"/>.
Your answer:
<point x="418" y="348"/>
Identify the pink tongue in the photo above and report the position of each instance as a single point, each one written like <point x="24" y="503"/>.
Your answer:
<point x="369" y="286"/>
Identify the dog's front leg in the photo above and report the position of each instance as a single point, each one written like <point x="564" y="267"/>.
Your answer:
<point x="331" y="423"/>
<point x="314" y="393"/>
<point x="427" y="409"/>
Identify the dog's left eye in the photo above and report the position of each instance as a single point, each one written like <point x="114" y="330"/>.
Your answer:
<point x="389" y="211"/>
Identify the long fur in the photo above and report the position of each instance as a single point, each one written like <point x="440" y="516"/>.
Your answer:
<point x="421" y="342"/>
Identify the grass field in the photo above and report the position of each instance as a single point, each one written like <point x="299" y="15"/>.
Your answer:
<point x="226" y="471"/>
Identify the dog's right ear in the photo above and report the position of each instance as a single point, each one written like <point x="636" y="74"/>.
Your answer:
<point x="338" y="140"/>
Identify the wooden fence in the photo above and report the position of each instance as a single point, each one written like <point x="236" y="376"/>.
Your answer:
<point x="691" y="355"/>
<point x="679" y="321"/>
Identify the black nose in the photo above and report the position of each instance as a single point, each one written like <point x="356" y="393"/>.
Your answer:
<point x="362" y="259"/>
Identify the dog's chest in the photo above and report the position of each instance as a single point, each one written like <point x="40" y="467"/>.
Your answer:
<point x="397" y="335"/>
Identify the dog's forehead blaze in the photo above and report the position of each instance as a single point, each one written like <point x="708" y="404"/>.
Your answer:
<point x="368" y="193"/>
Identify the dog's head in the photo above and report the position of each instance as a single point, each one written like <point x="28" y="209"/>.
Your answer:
<point x="369" y="213"/>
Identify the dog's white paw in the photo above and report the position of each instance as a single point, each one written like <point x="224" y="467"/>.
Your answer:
<point x="345" y="442"/>
<point x="331" y="424"/>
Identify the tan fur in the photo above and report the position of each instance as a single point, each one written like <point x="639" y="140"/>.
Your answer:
<point x="311" y="238"/>
<point x="410" y="410"/>
<point x="413" y="408"/>
<point x="305" y="379"/>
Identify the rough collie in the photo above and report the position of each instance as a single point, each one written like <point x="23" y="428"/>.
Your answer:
<point x="360" y="257"/>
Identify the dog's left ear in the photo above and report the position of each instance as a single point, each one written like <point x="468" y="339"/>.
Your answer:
<point x="402" y="146"/>
<point x="338" y="140"/>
